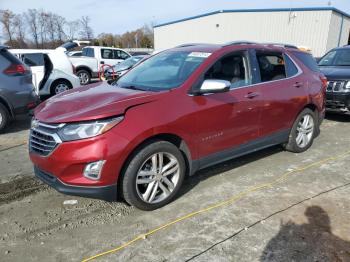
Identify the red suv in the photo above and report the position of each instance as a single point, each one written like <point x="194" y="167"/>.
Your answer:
<point x="181" y="110"/>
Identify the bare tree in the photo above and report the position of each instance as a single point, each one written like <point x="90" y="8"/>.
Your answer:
<point x="7" y="21"/>
<point x="60" y="25"/>
<point x="86" y="31"/>
<point x="43" y="26"/>
<point x="32" y="17"/>
<point x="20" y="29"/>
<point x="72" y="27"/>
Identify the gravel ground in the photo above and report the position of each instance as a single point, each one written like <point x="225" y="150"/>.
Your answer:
<point x="304" y="218"/>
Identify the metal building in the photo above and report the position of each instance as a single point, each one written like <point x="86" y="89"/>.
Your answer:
<point x="320" y="29"/>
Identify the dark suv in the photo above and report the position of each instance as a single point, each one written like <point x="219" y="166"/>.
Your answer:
<point x="179" y="111"/>
<point x="336" y="67"/>
<point x="17" y="95"/>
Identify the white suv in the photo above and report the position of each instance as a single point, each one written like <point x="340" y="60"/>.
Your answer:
<point x="52" y="71"/>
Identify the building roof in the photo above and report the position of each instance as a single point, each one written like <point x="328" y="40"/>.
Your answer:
<point x="258" y="10"/>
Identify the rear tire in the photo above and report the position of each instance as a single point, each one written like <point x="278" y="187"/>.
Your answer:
<point x="60" y="86"/>
<point x="303" y="132"/>
<point x="84" y="77"/>
<point x="4" y="117"/>
<point x="153" y="176"/>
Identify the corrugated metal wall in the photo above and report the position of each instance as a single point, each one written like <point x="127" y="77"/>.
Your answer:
<point x="307" y="28"/>
<point x="339" y="31"/>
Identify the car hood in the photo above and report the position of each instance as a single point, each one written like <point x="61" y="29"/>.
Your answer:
<point x="91" y="102"/>
<point x="336" y="73"/>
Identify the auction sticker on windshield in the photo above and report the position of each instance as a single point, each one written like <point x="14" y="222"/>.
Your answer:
<point x="199" y="54"/>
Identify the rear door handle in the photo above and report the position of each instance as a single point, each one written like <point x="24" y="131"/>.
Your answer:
<point x="298" y="84"/>
<point x="251" y="95"/>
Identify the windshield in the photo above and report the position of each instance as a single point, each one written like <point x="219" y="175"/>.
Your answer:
<point x="163" y="71"/>
<point x="339" y="57"/>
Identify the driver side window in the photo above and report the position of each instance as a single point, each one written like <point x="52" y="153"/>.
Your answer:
<point x="232" y="68"/>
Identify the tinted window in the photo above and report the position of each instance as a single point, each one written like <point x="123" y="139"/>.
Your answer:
<point x="118" y="54"/>
<point x="340" y="57"/>
<point x="232" y="68"/>
<point x="88" y="52"/>
<point x="163" y="71"/>
<point x="272" y="66"/>
<point x="307" y="60"/>
<point x="33" y="59"/>
<point x="107" y="53"/>
<point x="291" y="69"/>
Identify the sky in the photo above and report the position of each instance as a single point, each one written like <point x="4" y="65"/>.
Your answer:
<point x="119" y="16"/>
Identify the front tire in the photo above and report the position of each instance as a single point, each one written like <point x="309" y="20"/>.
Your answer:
<point x="153" y="176"/>
<point x="303" y="132"/>
<point x="4" y="117"/>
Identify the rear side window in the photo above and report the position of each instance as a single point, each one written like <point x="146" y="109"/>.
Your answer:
<point x="291" y="68"/>
<point x="271" y="65"/>
<point x="107" y="53"/>
<point x="307" y="60"/>
<point x="118" y="54"/>
<point x="33" y="59"/>
<point x="88" y="52"/>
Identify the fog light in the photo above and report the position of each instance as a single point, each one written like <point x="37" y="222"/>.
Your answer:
<point x="93" y="170"/>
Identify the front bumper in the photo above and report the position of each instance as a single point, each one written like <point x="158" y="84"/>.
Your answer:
<point x="108" y="193"/>
<point x="338" y="102"/>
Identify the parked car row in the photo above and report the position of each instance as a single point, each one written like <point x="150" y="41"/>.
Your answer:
<point x="179" y="111"/>
<point x="88" y="63"/>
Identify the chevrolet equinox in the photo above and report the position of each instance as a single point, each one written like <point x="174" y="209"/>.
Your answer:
<point x="181" y="110"/>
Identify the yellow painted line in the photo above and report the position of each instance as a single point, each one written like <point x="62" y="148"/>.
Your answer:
<point x="231" y="200"/>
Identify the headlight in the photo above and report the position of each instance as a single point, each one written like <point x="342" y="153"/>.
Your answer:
<point x="347" y="86"/>
<point x="88" y="129"/>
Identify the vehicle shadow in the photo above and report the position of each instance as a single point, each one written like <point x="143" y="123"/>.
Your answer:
<point x="338" y="117"/>
<point x="19" y="124"/>
<point x="312" y="241"/>
<point x="201" y="175"/>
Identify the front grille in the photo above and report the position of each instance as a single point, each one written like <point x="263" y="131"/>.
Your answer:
<point x="336" y="86"/>
<point x="43" y="139"/>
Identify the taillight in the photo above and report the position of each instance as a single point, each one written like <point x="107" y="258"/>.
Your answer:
<point x="15" y="70"/>
<point x="324" y="82"/>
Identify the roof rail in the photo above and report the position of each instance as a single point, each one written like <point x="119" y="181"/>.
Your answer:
<point x="282" y="45"/>
<point x="240" y="42"/>
<point x="186" y="45"/>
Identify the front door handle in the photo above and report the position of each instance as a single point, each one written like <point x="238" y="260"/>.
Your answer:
<point x="251" y="95"/>
<point x="298" y="84"/>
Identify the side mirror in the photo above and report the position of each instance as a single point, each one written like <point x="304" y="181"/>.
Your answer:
<point x="214" y="86"/>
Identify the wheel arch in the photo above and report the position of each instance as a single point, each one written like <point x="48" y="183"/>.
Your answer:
<point x="7" y="106"/>
<point x="83" y="68"/>
<point x="168" y="137"/>
<point x="59" y="80"/>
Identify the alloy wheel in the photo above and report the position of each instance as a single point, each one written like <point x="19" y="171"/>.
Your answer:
<point x="84" y="78"/>
<point x="305" y="130"/>
<point x="157" y="177"/>
<point x="61" y="88"/>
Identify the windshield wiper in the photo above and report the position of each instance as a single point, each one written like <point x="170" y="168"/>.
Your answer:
<point x="133" y="88"/>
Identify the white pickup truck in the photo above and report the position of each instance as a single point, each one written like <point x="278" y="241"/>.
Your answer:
<point x="93" y="58"/>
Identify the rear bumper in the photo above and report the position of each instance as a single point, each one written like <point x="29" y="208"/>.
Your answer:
<point x="108" y="193"/>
